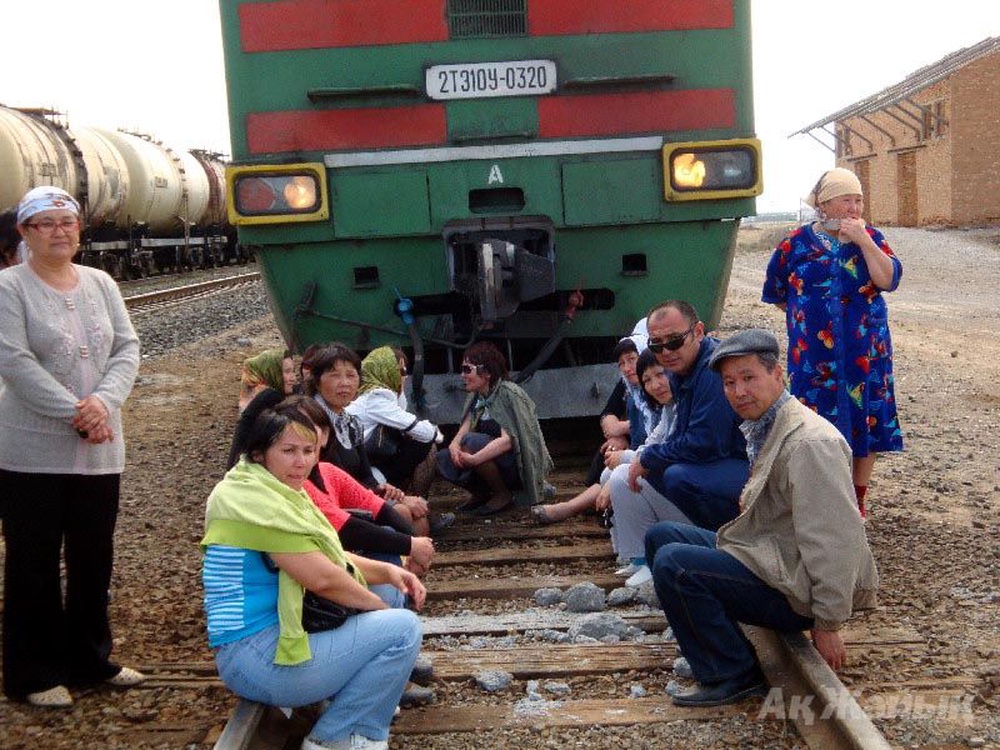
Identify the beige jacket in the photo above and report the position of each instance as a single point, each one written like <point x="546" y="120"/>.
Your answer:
<point x="800" y="530"/>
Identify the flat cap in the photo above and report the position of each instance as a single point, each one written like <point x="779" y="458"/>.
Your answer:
<point x="750" y="341"/>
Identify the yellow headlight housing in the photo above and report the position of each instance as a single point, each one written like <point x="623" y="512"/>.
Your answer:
<point x="710" y="170"/>
<point x="277" y="194"/>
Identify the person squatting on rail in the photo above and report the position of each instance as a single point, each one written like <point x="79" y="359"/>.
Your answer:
<point x="68" y="360"/>
<point x="499" y="447"/>
<point x="795" y="558"/>
<point x="268" y="550"/>
<point x="701" y="466"/>
<point x="828" y="276"/>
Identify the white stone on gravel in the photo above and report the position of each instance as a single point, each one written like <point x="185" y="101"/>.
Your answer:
<point x="548" y="597"/>
<point x="636" y="691"/>
<point x="599" y="625"/>
<point x="494" y="680"/>
<point x="621" y="596"/>
<point x="584" y="597"/>
<point x="556" y="688"/>
<point x="682" y="668"/>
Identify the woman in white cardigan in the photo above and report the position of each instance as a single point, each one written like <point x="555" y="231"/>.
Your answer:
<point x="68" y="359"/>
<point x="411" y="464"/>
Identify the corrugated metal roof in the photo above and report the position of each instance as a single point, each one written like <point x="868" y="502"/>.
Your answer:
<point x="910" y="85"/>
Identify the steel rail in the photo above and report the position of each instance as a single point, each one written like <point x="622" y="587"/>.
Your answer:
<point x="141" y="302"/>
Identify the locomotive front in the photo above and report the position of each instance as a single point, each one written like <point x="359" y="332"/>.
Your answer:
<point x="442" y="171"/>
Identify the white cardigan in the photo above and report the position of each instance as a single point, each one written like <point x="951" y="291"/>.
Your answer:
<point x="381" y="406"/>
<point x="55" y="349"/>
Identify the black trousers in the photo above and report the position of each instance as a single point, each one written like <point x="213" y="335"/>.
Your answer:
<point x="399" y="469"/>
<point x="50" y="639"/>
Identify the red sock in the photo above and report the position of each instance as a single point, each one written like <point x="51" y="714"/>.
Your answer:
<point x="860" y="490"/>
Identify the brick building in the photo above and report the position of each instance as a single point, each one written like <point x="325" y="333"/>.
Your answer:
<point x="927" y="149"/>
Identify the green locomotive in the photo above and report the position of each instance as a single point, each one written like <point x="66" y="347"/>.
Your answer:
<point x="533" y="172"/>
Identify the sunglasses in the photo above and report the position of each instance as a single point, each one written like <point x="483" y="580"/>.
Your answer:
<point x="671" y="345"/>
<point x="468" y="369"/>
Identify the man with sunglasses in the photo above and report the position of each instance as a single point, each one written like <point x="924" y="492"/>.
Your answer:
<point x="702" y="465"/>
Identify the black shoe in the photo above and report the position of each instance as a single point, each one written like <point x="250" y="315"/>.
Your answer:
<point x="473" y="503"/>
<point x="723" y="693"/>
<point x="491" y="510"/>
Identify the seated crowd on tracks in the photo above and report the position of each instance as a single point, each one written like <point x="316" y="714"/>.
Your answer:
<point x="738" y="499"/>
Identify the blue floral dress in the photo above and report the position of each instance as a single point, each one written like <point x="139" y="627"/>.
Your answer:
<point x="839" y="349"/>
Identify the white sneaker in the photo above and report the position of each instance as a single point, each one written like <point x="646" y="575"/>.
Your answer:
<point x="641" y="576"/>
<point x="627" y="570"/>
<point x="354" y="742"/>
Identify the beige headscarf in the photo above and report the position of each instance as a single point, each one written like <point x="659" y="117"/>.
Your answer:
<point x="838" y="181"/>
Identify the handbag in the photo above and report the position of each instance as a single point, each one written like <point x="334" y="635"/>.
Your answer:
<point x="384" y="443"/>
<point x="319" y="614"/>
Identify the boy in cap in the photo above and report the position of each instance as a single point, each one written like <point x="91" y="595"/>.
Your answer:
<point x="795" y="558"/>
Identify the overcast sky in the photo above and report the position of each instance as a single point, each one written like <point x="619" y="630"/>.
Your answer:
<point x="156" y="66"/>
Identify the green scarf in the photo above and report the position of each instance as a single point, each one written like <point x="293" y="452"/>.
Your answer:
<point x="265" y="368"/>
<point x="514" y="411"/>
<point x="380" y="369"/>
<point x="252" y="509"/>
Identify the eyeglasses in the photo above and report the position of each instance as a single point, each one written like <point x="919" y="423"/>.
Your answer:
<point x="671" y="344"/>
<point x="468" y="369"/>
<point x="48" y="226"/>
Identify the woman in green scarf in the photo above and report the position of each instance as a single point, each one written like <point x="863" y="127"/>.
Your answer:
<point x="266" y="544"/>
<point x="271" y="369"/>
<point x="398" y="443"/>
<point x="499" y="448"/>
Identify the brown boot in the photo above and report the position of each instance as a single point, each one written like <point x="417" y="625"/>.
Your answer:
<point x="500" y="495"/>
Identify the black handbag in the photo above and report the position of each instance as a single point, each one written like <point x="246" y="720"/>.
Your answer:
<point x="384" y="443"/>
<point x="319" y="614"/>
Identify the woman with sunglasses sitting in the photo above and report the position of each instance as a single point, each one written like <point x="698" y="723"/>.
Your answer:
<point x="499" y="447"/>
<point x="266" y="545"/>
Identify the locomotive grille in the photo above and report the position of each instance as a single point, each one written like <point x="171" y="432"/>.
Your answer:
<point x="469" y="19"/>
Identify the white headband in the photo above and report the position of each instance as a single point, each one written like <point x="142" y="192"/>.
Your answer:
<point x="45" y="198"/>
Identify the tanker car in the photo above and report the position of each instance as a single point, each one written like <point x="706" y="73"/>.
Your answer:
<point x="147" y="207"/>
<point x="533" y="172"/>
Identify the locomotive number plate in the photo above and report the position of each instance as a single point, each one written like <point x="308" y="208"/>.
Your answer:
<point x="484" y="80"/>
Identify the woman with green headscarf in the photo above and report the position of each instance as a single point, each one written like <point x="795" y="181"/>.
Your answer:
<point x="409" y="462"/>
<point x="272" y="368"/>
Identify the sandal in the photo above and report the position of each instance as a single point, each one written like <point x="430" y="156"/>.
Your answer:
<point x="540" y="516"/>
<point x="54" y="697"/>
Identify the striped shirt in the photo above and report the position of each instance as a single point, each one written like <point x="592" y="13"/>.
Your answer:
<point x="241" y="593"/>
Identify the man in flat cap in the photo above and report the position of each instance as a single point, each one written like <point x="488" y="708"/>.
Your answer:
<point x="795" y="558"/>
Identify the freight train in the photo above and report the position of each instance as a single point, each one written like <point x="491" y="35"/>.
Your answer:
<point x="537" y="173"/>
<point x="147" y="207"/>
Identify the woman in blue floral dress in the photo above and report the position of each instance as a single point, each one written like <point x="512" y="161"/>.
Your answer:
<point x="828" y="276"/>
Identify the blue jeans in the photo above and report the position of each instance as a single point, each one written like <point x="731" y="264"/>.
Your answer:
<point x="708" y="494"/>
<point x="705" y="594"/>
<point x="388" y="593"/>
<point x="361" y="667"/>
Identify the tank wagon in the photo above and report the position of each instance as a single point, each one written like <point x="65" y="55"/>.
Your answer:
<point x="147" y="206"/>
<point x="533" y="172"/>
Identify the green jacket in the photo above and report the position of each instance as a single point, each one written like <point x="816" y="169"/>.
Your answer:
<point x="251" y="509"/>
<point x="514" y="411"/>
<point x="800" y="530"/>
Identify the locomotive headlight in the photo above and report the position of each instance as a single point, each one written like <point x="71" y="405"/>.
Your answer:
<point x="276" y="194"/>
<point x="711" y="170"/>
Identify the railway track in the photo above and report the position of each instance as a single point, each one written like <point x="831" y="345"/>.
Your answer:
<point x="139" y="304"/>
<point x="481" y="616"/>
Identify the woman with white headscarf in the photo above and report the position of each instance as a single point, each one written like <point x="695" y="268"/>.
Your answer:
<point x="828" y="276"/>
<point x="68" y="359"/>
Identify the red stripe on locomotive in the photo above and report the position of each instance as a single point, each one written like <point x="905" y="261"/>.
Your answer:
<point x="388" y="127"/>
<point x="644" y="112"/>
<point x="319" y="24"/>
<point x="557" y="17"/>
